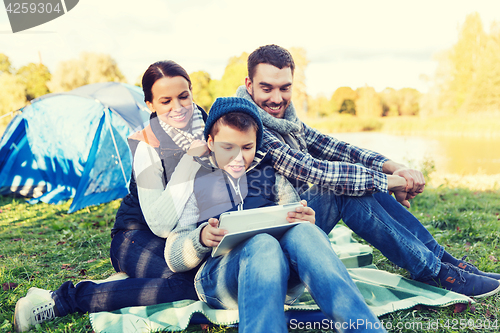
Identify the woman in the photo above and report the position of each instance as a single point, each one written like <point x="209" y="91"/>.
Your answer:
<point x="146" y="215"/>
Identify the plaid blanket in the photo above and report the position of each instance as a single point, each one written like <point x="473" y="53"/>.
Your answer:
<point x="384" y="293"/>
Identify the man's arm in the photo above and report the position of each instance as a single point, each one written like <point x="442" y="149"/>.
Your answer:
<point x="325" y="147"/>
<point x="344" y="178"/>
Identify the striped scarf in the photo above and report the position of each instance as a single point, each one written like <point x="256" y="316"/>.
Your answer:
<point x="183" y="139"/>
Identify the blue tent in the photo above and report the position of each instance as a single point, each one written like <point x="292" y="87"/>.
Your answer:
<point x="73" y="145"/>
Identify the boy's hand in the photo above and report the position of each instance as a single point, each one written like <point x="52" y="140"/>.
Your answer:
<point x="198" y="148"/>
<point x="302" y="214"/>
<point x="211" y="235"/>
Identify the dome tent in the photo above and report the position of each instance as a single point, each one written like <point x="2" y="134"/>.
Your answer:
<point x="73" y="145"/>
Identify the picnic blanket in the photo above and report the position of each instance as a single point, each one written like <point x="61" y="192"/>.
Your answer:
<point x="383" y="292"/>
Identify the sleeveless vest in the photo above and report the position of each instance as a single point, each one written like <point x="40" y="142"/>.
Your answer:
<point x="129" y="216"/>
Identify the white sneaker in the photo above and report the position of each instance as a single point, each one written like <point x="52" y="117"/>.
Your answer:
<point x="35" y="308"/>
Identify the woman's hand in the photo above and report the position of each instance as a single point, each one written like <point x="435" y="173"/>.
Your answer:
<point x="302" y="214"/>
<point x="211" y="235"/>
<point x="198" y="148"/>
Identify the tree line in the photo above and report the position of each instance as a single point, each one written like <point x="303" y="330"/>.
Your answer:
<point x="467" y="80"/>
<point x="19" y="86"/>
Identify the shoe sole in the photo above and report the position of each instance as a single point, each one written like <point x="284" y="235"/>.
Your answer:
<point x="493" y="292"/>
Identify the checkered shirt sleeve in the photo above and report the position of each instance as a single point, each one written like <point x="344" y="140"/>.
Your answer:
<point x="329" y="163"/>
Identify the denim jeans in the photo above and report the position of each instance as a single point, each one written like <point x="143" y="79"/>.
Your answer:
<point x="139" y="253"/>
<point x="384" y="223"/>
<point x="255" y="276"/>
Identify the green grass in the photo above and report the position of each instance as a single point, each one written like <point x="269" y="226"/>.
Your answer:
<point x="42" y="246"/>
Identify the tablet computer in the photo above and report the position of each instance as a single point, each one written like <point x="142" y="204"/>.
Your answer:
<point x="244" y="224"/>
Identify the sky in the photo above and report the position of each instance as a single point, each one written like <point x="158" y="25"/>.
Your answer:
<point x="354" y="43"/>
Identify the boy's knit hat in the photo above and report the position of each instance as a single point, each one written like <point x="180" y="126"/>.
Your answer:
<point x="225" y="105"/>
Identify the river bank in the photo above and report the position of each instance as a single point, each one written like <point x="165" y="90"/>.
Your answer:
<point x="475" y="125"/>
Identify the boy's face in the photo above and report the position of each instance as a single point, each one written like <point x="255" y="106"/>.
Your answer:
<point x="234" y="150"/>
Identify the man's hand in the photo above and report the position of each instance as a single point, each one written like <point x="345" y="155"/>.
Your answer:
<point x="198" y="148"/>
<point x="397" y="185"/>
<point x="415" y="182"/>
<point x="211" y="235"/>
<point x="302" y="214"/>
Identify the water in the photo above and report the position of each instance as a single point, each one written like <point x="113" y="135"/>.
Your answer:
<point x="453" y="155"/>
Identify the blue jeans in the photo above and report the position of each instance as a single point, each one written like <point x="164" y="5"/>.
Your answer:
<point x="384" y="223"/>
<point x="140" y="254"/>
<point x="255" y="276"/>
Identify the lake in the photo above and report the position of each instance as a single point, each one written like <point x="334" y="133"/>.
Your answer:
<point x="451" y="154"/>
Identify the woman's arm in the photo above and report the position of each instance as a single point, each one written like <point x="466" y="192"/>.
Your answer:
<point x="183" y="249"/>
<point x="162" y="206"/>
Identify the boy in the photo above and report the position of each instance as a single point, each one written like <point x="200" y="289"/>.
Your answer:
<point x="261" y="270"/>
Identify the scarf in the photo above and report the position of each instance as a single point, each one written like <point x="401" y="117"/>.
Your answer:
<point x="290" y="123"/>
<point x="182" y="138"/>
<point x="288" y="129"/>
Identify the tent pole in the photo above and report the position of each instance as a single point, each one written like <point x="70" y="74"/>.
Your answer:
<point x="7" y="114"/>
<point x="116" y="147"/>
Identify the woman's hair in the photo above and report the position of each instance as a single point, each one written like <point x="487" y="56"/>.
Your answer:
<point x="158" y="70"/>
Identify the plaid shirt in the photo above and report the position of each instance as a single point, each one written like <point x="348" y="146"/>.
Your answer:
<point x="329" y="163"/>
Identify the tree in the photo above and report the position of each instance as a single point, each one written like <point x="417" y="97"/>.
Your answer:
<point x="299" y="96"/>
<point x="459" y="66"/>
<point x="88" y="68"/>
<point x="12" y="95"/>
<point x="5" y="65"/>
<point x="201" y="89"/>
<point x="485" y="94"/>
<point x="233" y="77"/>
<point x="390" y="102"/>
<point x="409" y="101"/>
<point x="34" y="77"/>
<point x="348" y="107"/>
<point x="319" y="106"/>
<point x="340" y="96"/>
<point x="368" y="103"/>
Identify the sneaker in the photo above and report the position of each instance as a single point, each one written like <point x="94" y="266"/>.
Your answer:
<point x="455" y="279"/>
<point x="35" y="308"/>
<point x="468" y="267"/>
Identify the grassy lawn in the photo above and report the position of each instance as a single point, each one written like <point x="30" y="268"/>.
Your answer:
<point x="42" y="246"/>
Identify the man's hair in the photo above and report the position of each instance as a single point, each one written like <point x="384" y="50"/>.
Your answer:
<point x="237" y="120"/>
<point x="269" y="54"/>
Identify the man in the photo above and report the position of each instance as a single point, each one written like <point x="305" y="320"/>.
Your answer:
<point x="343" y="189"/>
